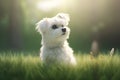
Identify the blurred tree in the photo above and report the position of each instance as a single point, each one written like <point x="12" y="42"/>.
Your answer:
<point x="14" y="28"/>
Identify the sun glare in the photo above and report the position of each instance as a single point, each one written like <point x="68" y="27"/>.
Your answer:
<point x="48" y="5"/>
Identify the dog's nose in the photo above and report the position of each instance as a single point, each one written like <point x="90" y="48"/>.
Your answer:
<point x="63" y="29"/>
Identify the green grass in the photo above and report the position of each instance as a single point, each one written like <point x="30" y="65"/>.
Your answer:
<point x="17" y="66"/>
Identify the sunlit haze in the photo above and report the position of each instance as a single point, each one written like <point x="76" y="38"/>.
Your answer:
<point x="48" y="5"/>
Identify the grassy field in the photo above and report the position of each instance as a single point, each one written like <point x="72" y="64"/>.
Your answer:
<point x="17" y="66"/>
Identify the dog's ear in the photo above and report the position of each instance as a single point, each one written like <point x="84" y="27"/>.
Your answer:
<point x="64" y="16"/>
<point x="41" y="25"/>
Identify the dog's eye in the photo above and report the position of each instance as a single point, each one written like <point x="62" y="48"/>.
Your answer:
<point x="62" y="25"/>
<point x="54" y="26"/>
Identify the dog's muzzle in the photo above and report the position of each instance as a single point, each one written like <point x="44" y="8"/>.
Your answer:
<point x="63" y="29"/>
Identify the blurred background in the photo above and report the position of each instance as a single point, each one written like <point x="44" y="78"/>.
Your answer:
<point x="91" y="20"/>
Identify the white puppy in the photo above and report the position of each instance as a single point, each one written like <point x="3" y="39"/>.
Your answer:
<point x="55" y="32"/>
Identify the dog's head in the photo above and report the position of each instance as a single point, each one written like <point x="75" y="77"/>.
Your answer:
<point x="55" y="28"/>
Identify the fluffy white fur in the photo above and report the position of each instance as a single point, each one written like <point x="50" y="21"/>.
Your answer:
<point x="55" y="32"/>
